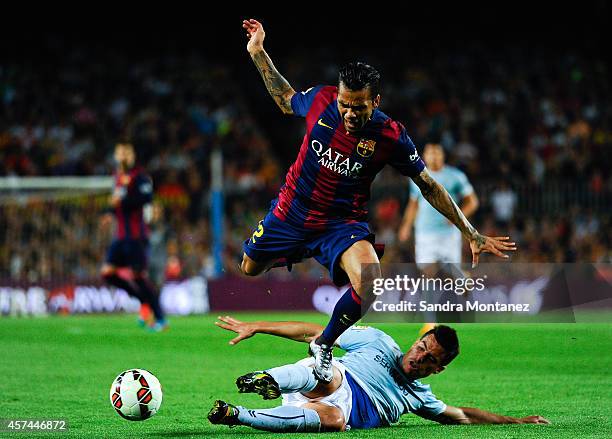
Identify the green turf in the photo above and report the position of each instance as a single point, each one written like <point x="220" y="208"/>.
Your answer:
<point x="62" y="367"/>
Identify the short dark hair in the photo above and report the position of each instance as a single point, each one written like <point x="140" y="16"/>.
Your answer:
<point x="447" y="338"/>
<point x="359" y="75"/>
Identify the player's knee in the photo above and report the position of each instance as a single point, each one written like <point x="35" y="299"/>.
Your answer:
<point x="365" y="285"/>
<point x="371" y="272"/>
<point x="324" y="389"/>
<point x="332" y="421"/>
<point x="249" y="267"/>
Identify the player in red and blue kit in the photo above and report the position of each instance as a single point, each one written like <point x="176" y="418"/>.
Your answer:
<point x="133" y="190"/>
<point x="321" y="210"/>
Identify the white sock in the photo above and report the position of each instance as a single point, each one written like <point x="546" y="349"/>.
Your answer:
<point x="294" y="378"/>
<point x="285" y="418"/>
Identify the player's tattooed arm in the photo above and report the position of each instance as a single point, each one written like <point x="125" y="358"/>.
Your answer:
<point x="278" y="87"/>
<point x="441" y="200"/>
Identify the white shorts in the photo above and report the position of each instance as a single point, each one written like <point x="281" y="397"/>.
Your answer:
<point x="342" y="398"/>
<point x="434" y="247"/>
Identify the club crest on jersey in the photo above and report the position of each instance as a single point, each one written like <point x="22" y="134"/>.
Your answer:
<point x="365" y="148"/>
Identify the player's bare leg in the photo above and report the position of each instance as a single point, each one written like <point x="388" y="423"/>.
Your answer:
<point x="362" y="266"/>
<point x="322" y="390"/>
<point x="429" y="271"/>
<point x="442" y="269"/>
<point x="331" y="418"/>
<point x="253" y="268"/>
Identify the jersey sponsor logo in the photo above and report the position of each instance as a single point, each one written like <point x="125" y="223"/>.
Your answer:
<point x="365" y="148"/>
<point x="335" y="161"/>
<point x="392" y="369"/>
<point x="323" y="124"/>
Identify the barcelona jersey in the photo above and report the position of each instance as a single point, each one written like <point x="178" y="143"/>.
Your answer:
<point x="329" y="183"/>
<point x="135" y="190"/>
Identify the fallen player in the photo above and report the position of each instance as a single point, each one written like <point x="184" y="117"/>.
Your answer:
<point x="374" y="383"/>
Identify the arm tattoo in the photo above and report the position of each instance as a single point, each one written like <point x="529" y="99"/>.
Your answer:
<point x="277" y="86"/>
<point x="441" y="200"/>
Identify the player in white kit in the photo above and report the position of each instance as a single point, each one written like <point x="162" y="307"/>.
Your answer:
<point x="436" y="240"/>
<point x="374" y="383"/>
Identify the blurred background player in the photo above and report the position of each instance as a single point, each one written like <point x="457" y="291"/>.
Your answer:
<point x="133" y="190"/>
<point x="437" y="240"/>
<point x="322" y="209"/>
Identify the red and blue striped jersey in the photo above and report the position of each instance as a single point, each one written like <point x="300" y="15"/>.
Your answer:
<point x="329" y="183"/>
<point x="135" y="189"/>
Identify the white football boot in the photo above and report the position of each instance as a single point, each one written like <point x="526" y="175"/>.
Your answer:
<point x="323" y="369"/>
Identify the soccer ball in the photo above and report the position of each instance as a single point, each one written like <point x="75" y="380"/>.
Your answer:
<point x="136" y="394"/>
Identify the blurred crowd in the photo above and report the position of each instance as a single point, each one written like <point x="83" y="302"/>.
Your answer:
<point x="64" y="119"/>
<point x="527" y="127"/>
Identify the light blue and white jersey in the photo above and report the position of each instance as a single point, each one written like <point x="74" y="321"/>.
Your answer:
<point x="374" y="360"/>
<point x="428" y="219"/>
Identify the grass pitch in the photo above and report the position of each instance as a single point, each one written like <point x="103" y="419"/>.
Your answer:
<point x="62" y="367"/>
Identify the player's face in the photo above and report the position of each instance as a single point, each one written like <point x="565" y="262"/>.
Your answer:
<point x="423" y="358"/>
<point x="356" y="107"/>
<point x="124" y="156"/>
<point x="433" y="156"/>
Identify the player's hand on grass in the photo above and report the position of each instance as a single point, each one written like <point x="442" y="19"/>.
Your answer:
<point x="255" y="34"/>
<point x="534" y="420"/>
<point x="244" y="330"/>
<point x="486" y="244"/>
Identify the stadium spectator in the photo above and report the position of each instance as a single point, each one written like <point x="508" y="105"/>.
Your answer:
<point x="544" y="128"/>
<point x="503" y="201"/>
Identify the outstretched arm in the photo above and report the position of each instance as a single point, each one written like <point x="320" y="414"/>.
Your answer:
<point x="298" y="331"/>
<point x="468" y="415"/>
<point x="278" y="87"/>
<point x="441" y="200"/>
